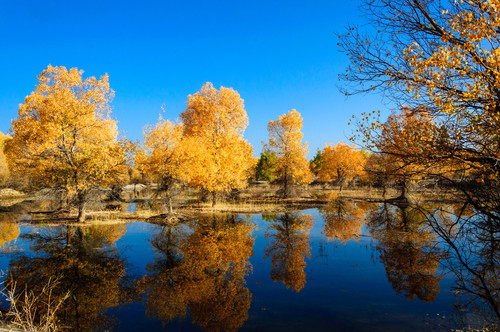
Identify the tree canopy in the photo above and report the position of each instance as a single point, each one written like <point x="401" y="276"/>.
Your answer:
<point x="4" y="169"/>
<point x="64" y="135"/>
<point x="341" y="163"/>
<point x="161" y="157"/>
<point x="440" y="58"/>
<point x="285" y="141"/>
<point x="216" y="157"/>
<point x="266" y="166"/>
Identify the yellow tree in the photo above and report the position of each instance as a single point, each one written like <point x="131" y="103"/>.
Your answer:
<point x="341" y="163"/>
<point x="4" y="170"/>
<point x="444" y="55"/>
<point x="160" y="158"/>
<point x="64" y="135"/>
<point x="215" y="156"/>
<point x="405" y="142"/>
<point x="285" y="140"/>
<point x="377" y="171"/>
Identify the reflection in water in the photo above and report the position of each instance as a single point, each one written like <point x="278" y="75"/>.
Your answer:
<point x="289" y="247"/>
<point x="200" y="267"/>
<point x="343" y="220"/>
<point x="203" y="272"/>
<point x="106" y="234"/>
<point x="8" y="232"/>
<point x="75" y="257"/>
<point x="472" y="243"/>
<point x="408" y="251"/>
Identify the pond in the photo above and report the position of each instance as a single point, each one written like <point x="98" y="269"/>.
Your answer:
<point x="345" y="267"/>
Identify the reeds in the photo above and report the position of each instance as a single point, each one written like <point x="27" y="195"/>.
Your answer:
<point x="34" y="312"/>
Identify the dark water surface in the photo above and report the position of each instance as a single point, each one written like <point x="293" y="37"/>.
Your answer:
<point x="346" y="267"/>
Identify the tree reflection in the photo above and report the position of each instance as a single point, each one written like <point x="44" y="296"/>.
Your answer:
<point x="203" y="272"/>
<point x="472" y="244"/>
<point x="8" y="232"/>
<point x="289" y="247"/>
<point x="407" y="250"/>
<point x="343" y="220"/>
<point x="106" y="234"/>
<point x="79" y="259"/>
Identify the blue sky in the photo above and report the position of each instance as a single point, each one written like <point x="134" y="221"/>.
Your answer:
<point x="278" y="55"/>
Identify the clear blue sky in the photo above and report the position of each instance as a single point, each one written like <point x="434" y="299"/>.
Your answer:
<point x="278" y="55"/>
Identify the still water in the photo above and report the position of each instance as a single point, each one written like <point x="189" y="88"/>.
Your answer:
<point x="346" y="267"/>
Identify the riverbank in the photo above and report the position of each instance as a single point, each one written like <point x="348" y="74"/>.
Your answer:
<point x="143" y="205"/>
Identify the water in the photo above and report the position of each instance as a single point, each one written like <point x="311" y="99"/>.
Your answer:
<point x="342" y="268"/>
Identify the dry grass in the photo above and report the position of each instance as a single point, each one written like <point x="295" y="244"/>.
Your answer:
<point x="34" y="312"/>
<point x="237" y="207"/>
<point x="254" y="199"/>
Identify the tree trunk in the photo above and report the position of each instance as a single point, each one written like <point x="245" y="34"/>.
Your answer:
<point x="169" y="201"/>
<point x="64" y="203"/>
<point x="404" y="190"/>
<point x="214" y="198"/>
<point x="81" y="213"/>
<point x="286" y="186"/>
<point x="69" y="236"/>
<point x="82" y="202"/>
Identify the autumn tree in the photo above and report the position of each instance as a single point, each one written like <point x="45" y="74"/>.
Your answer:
<point x="378" y="172"/>
<point x="216" y="157"/>
<point x="4" y="169"/>
<point x="404" y="143"/>
<point x="285" y="141"/>
<point x="341" y="163"/>
<point x="64" y="135"/>
<point x="160" y="158"/>
<point x="442" y="55"/>
<point x="289" y="247"/>
<point x="266" y="166"/>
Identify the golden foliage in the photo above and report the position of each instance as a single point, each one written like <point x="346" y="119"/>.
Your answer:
<point x="443" y="55"/>
<point x="160" y="157"/>
<point x="406" y="143"/>
<point x="64" y="135"/>
<point x="4" y="169"/>
<point x="288" y="248"/>
<point x="215" y="156"/>
<point x="341" y="162"/>
<point x="285" y="141"/>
